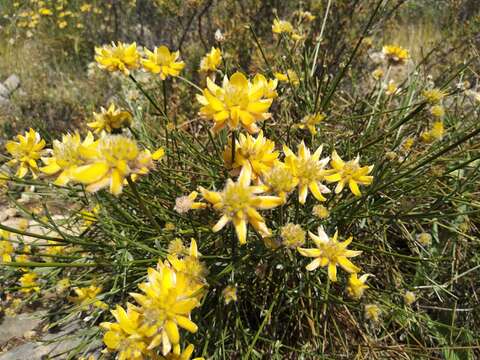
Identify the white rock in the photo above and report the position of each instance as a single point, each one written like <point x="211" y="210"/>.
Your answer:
<point x="12" y="83"/>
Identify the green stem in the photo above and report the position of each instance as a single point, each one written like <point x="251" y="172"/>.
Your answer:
<point x="147" y="95"/>
<point x="141" y="203"/>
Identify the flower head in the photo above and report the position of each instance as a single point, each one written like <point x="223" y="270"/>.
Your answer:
<point x="163" y="62"/>
<point x="409" y="297"/>
<point x="29" y="283"/>
<point x="111" y="159"/>
<point x="292" y="235"/>
<point x="211" y="61"/>
<point x="110" y="119"/>
<point x="26" y="152"/>
<point x="87" y="296"/>
<point x="395" y="55"/>
<point x="350" y="173"/>
<point x="311" y="121"/>
<point x="229" y="294"/>
<point x="289" y="77"/>
<point x="356" y="285"/>
<point x="66" y="156"/>
<point x="279" y="180"/>
<point x="184" y="204"/>
<point x="6" y="247"/>
<point x="281" y="26"/>
<point x="330" y="252"/>
<point x="320" y="211"/>
<point x="125" y="335"/>
<point x="435" y="133"/>
<point x="437" y="111"/>
<point x="424" y="238"/>
<point x="237" y="102"/>
<point x="372" y="312"/>
<point x="238" y="203"/>
<point x="166" y="305"/>
<point x="269" y="86"/>
<point x="176" y="247"/>
<point x="118" y="57"/>
<point x="433" y="96"/>
<point x="309" y="171"/>
<point x="258" y="152"/>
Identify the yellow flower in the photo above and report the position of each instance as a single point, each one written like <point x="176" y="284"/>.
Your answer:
<point x="118" y="57"/>
<point x="26" y="152"/>
<point x="435" y="133"/>
<point x="112" y="158"/>
<point x="307" y="15"/>
<point x="407" y="144"/>
<point x="238" y="203"/>
<point x="176" y="247"/>
<point x="190" y="265"/>
<point x="125" y="336"/>
<point x="110" y="119"/>
<point x="350" y="173"/>
<point x="330" y="252"/>
<point x="45" y="12"/>
<point x="66" y="156"/>
<point x="437" y="111"/>
<point x="424" y="238"/>
<point x="269" y="86"/>
<point x="238" y="101"/>
<point x="279" y="180"/>
<point x="62" y="285"/>
<point x="395" y="55"/>
<point x="184" y="204"/>
<point x="291" y="77"/>
<point x="372" y="312"/>
<point x="377" y="73"/>
<point x="311" y="121"/>
<point x="87" y="296"/>
<point x="53" y="248"/>
<point x="433" y="96"/>
<point x="211" y="60"/>
<point x="85" y="7"/>
<point x="258" y="152"/>
<point x="308" y="170"/>
<point x="392" y="88"/>
<point x="320" y="211"/>
<point x="409" y="297"/>
<point x="356" y="285"/>
<point x="62" y="24"/>
<point x="281" y="26"/>
<point x="28" y="282"/>
<point x="166" y="305"/>
<point x="6" y="247"/>
<point x="292" y="235"/>
<point x="163" y="62"/>
<point x="229" y="294"/>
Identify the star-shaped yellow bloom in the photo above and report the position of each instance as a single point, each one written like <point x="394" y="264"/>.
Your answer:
<point x="330" y="252"/>
<point x="163" y="62"/>
<point x="66" y="156"/>
<point x="110" y="119"/>
<point x="259" y="152"/>
<point x="125" y="336"/>
<point x="356" y="285"/>
<point x="118" y="57"/>
<point x="281" y="26"/>
<point x="110" y="160"/>
<point x="26" y="152"/>
<point x="395" y="55"/>
<point x="350" y="173"/>
<point x="237" y="102"/>
<point x="308" y="170"/>
<point x="238" y="203"/>
<point x="211" y="60"/>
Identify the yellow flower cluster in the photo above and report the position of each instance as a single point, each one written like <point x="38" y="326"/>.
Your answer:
<point x="211" y="61"/>
<point x="126" y="57"/>
<point x="105" y="162"/>
<point x="110" y="119"/>
<point x="256" y="160"/>
<point x="237" y="102"/>
<point x="172" y="291"/>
